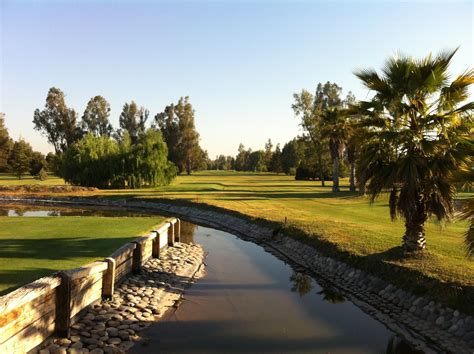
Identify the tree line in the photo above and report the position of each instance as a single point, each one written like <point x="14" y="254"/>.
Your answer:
<point x="90" y="152"/>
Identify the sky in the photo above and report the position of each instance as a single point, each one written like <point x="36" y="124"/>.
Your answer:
<point x="239" y="61"/>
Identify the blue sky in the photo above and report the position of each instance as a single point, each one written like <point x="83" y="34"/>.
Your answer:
<point x="239" y="61"/>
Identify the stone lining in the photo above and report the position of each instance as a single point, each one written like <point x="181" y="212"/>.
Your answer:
<point x="113" y="326"/>
<point x="427" y="325"/>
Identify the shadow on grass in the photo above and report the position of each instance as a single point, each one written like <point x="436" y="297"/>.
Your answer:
<point x="22" y="277"/>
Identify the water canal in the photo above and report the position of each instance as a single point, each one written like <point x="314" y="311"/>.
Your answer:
<point x="252" y="302"/>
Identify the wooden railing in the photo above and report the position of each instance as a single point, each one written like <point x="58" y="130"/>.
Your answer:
<point x="50" y="305"/>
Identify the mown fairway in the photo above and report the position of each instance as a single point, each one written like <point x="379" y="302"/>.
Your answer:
<point x="344" y="225"/>
<point x="32" y="247"/>
<point x="348" y="225"/>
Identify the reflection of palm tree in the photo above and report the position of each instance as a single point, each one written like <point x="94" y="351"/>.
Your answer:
<point x="397" y="345"/>
<point x="302" y="283"/>
<point x="331" y="294"/>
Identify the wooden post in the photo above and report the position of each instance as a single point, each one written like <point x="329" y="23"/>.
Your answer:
<point x="177" y="229"/>
<point x="63" y="306"/>
<point x="170" y="235"/>
<point x="108" y="281"/>
<point x="156" y="245"/>
<point x="137" y="258"/>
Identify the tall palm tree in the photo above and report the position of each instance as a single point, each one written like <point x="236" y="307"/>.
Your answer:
<point x="419" y="137"/>
<point x="335" y="127"/>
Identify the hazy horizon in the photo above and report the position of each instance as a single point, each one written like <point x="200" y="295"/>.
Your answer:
<point x="240" y="62"/>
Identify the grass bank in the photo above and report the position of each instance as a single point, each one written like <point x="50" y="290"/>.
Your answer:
<point x="32" y="247"/>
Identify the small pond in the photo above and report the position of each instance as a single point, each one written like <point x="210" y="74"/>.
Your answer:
<point x="251" y="302"/>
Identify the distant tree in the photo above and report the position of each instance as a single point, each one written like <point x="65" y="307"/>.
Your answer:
<point x="95" y="119"/>
<point x="241" y="160"/>
<point x="268" y="153"/>
<point x="421" y="135"/>
<point x="179" y="131"/>
<point x="20" y="156"/>
<point x="53" y="162"/>
<point x="276" y="160"/>
<point x="37" y="163"/>
<point x="56" y="121"/>
<point x="132" y="120"/>
<point x="6" y="144"/>
<point x="291" y="155"/>
<point x="256" y="161"/>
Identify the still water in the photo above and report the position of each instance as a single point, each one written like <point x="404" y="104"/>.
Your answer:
<point x="250" y="302"/>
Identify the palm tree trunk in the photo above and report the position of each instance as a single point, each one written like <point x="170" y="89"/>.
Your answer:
<point x="361" y="183"/>
<point x="335" y="175"/>
<point x="352" y="186"/>
<point x="414" y="238"/>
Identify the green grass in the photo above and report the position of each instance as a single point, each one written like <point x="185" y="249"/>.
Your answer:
<point x="7" y="179"/>
<point x="32" y="247"/>
<point x="345" y="226"/>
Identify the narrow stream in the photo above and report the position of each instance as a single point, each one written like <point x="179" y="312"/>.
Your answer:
<point x="251" y="302"/>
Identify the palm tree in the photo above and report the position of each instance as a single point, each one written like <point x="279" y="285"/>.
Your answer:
<point x="335" y="127"/>
<point x="419" y="137"/>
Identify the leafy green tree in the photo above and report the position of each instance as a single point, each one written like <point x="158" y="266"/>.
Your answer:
<point x="276" y="162"/>
<point x="56" y="121"/>
<point x="53" y="162"/>
<point x="268" y="153"/>
<point x="90" y="162"/>
<point x="256" y="161"/>
<point x="19" y="160"/>
<point x="6" y="144"/>
<point x="95" y="119"/>
<point x="148" y="163"/>
<point x="37" y="163"/>
<point x="291" y="155"/>
<point x="241" y="160"/>
<point x="179" y="131"/>
<point x="420" y="136"/>
<point x="133" y="121"/>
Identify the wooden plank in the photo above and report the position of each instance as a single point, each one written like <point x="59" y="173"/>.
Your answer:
<point x="31" y="336"/>
<point x="87" y="270"/>
<point x="124" y="269"/>
<point x="108" y="280"/>
<point x="63" y="308"/>
<point x="162" y="228"/>
<point x="86" y="297"/>
<point x="82" y="284"/>
<point x="27" y="293"/>
<point x="16" y="320"/>
<point x="123" y="253"/>
<point x="137" y="258"/>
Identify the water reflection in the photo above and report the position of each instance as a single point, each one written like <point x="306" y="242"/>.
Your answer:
<point x="37" y="211"/>
<point x="187" y="232"/>
<point x="397" y="345"/>
<point x="301" y="283"/>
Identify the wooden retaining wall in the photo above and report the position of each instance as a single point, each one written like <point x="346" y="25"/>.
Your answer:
<point x="48" y="306"/>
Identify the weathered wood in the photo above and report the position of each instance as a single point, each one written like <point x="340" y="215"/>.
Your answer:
<point x="16" y="320"/>
<point x="177" y="229"/>
<point x="124" y="269"/>
<point x="79" y="285"/>
<point x="87" y="270"/>
<point x="170" y="233"/>
<point x="123" y="253"/>
<point x="162" y="228"/>
<point x="30" y="336"/>
<point x="86" y="297"/>
<point x="155" y="253"/>
<point x="137" y="258"/>
<point x="27" y="293"/>
<point x="63" y="306"/>
<point x="108" y="281"/>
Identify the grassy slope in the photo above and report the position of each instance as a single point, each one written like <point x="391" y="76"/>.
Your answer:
<point x="32" y="247"/>
<point x="10" y="180"/>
